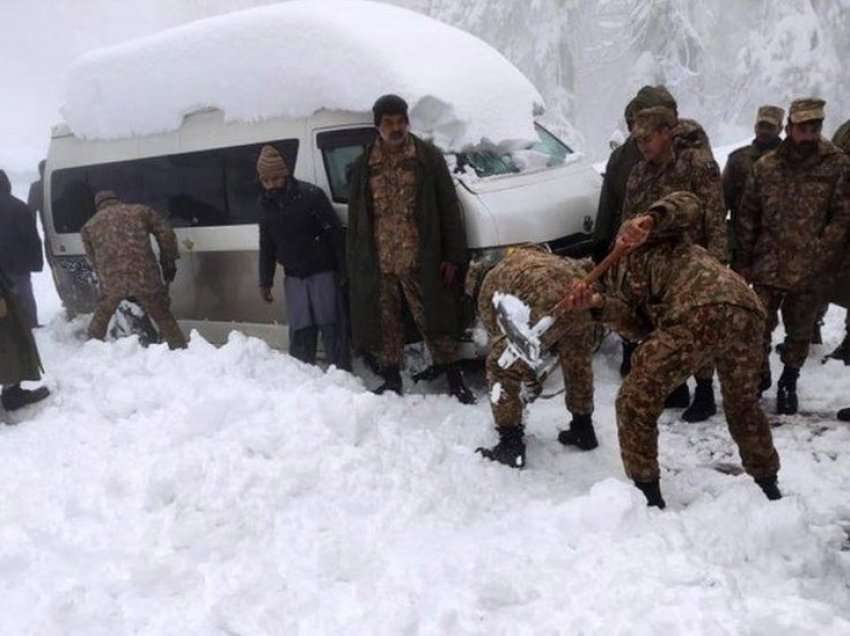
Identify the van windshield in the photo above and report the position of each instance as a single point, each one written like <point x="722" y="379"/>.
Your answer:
<point x="548" y="152"/>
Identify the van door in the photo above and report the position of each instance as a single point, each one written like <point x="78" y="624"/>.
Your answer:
<point x="334" y="153"/>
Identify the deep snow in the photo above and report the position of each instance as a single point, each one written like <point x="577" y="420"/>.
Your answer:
<point x="237" y="491"/>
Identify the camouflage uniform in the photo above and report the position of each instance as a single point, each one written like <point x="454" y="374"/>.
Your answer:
<point x="792" y="228"/>
<point x="117" y="242"/>
<point x="539" y="279"/>
<point x="740" y="163"/>
<point x="393" y="185"/>
<point x="687" y="309"/>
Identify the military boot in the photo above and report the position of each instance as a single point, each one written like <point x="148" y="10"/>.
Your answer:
<point x="626" y="364"/>
<point x="680" y="398"/>
<point x="786" y="392"/>
<point x="14" y="397"/>
<point x="843" y="415"/>
<point x="457" y="387"/>
<point x="842" y="351"/>
<point x="392" y="381"/>
<point x="510" y="450"/>
<point x="769" y="487"/>
<point x="703" y="406"/>
<point x="580" y="433"/>
<point x="652" y="491"/>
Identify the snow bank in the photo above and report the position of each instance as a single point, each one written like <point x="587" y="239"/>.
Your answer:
<point x="296" y="58"/>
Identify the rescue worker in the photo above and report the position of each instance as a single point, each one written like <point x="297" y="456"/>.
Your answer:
<point x="686" y="309"/>
<point x="668" y="166"/>
<point x="406" y="242"/>
<point x="792" y="228"/>
<point x="538" y="278"/>
<point x="117" y="244"/>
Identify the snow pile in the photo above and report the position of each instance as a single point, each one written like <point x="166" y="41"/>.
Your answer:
<point x="296" y="58"/>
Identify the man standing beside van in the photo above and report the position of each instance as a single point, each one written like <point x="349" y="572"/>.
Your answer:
<point x="117" y="243"/>
<point x="406" y="241"/>
<point x="300" y="230"/>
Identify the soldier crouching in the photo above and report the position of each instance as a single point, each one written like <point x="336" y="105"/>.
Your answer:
<point x="686" y="309"/>
<point x="539" y="279"/>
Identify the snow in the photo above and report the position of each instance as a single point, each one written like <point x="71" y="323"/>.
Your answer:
<point x="297" y="58"/>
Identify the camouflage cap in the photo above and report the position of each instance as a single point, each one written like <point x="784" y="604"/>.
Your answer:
<point x="841" y="138"/>
<point x="806" y="109"/>
<point x="772" y="115"/>
<point x="649" y="120"/>
<point x="104" y="196"/>
<point x="649" y="96"/>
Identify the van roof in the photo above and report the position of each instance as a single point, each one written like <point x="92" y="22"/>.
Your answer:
<point x="296" y="58"/>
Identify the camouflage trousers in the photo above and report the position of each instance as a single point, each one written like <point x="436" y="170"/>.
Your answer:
<point x="392" y="288"/>
<point x="156" y="306"/>
<point x="729" y="336"/>
<point x="799" y="315"/>
<point x="512" y="388"/>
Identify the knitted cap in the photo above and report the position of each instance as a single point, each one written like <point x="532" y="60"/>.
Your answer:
<point x="271" y="164"/>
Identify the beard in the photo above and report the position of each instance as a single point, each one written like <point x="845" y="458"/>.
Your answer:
<point x="806" y="148"/>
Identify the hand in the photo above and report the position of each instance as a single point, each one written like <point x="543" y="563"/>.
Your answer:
<point x="266" y="294"/>
<point x="169" y="272"/>
<point x="448" y="272"/>
<point x="582" y="296"/>
<point x="635" y="231"/>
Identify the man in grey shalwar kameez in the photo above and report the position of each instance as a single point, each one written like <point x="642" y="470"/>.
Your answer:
<point x="300" y="230"/>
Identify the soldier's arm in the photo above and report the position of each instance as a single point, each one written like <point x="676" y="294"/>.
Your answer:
<point x="615" y="311"/>
<point x="451" y="222"/>
<point x="88" y="245"/>
<point x="675" y="214"/>
<point x="748" y="222"/>
<point x="708" y="187"/>
<point x="835" y="234"/>
<point x="165" y="238"/>
<point x="731" y="185"/>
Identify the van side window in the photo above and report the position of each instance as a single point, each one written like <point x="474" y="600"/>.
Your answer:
<point x="195" y="189"/>
<point x="340" y="150"/>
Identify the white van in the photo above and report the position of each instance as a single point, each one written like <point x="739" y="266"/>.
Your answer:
<point x="200" y="173"/>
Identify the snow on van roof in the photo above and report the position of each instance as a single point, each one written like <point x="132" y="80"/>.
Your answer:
<point x="296" y="58"/>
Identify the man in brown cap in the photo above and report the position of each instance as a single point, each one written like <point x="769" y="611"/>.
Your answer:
<point x="740" y="162"/>
<point x="792" y="228"/>
<point x="300" y="230"/>
<point x="117" y="243"/>
<point x="668" y="166"/>
<point x="406" y="243"/>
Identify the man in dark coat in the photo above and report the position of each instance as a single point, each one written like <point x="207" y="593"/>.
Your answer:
<point x="300" y="230"/>
<point x="20" y="249"/>
<point x="19" y="360"/>
<point x="406" y="241"/>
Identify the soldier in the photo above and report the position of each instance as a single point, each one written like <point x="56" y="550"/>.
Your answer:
<point x="117" y="243"/>
<point x="791" y="229"/>
<point x="406" y="241"/>
<point x="740" y="162"/>
<point x="670" y="165"/>
<point x="687" y="310"/>
<point x="539" y="279"/>
<point x="19" y="360"/>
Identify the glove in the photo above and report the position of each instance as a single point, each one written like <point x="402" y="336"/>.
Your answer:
<point x="448" y="272"/>
<point x="169" y="272"/>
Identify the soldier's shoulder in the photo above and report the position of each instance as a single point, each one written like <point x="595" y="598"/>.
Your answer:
<point x="741" y="153"/>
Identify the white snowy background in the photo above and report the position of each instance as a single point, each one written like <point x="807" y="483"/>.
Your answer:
<point x="236" y="491"/>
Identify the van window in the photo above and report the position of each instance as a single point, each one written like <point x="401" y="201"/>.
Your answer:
<point x="195" y="189"/>
<point x="340" y="150"/>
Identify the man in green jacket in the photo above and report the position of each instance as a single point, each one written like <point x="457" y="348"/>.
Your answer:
<point x="19" y="360"/>
<point x="405" y="242"/>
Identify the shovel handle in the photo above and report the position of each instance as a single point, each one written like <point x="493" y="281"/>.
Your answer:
<point x="596" y="273"/>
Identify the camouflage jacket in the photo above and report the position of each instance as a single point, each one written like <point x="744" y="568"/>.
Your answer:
<point x="793" y="221"/>
<point x="660" y="283"/>
<point x="690" y="135"/>
<point x="690" y="169"/>
<point x="841" y="138"/>
<point x="117" y="242"/>
<point x="538" y="278"/>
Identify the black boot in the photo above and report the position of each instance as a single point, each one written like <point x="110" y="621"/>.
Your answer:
<point x="626" y="364"/>
<point x="771" y="490"/>
<point x="652" y="491"/>
<point x="392" y="381"/>
<point x="842" y="351"/>
<point x="703" y="406"/>
<point x="580" y="433"/>
<point x="14" y="397"/>
<point x="766" y="381"/>
<point x="786" y="392"/>
<point x="680" y="398"/>
<point x="843" y="415"/>
<point x="457" y="387"/>
<point x="510" y="450"/>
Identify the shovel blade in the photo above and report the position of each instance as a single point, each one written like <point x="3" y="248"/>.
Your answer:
<point x="519" y="340"/>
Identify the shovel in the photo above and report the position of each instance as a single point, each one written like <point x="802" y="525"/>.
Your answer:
<point x="527" y="342"/>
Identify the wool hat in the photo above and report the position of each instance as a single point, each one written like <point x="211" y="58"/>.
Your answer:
<point x="271" y="163"/>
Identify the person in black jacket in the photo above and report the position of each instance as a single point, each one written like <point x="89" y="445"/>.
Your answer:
<point x="20" y="249"/>
<point x="300" y="230"/>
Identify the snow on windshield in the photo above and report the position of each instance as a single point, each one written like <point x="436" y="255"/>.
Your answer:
<point x="293" y="59"/>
